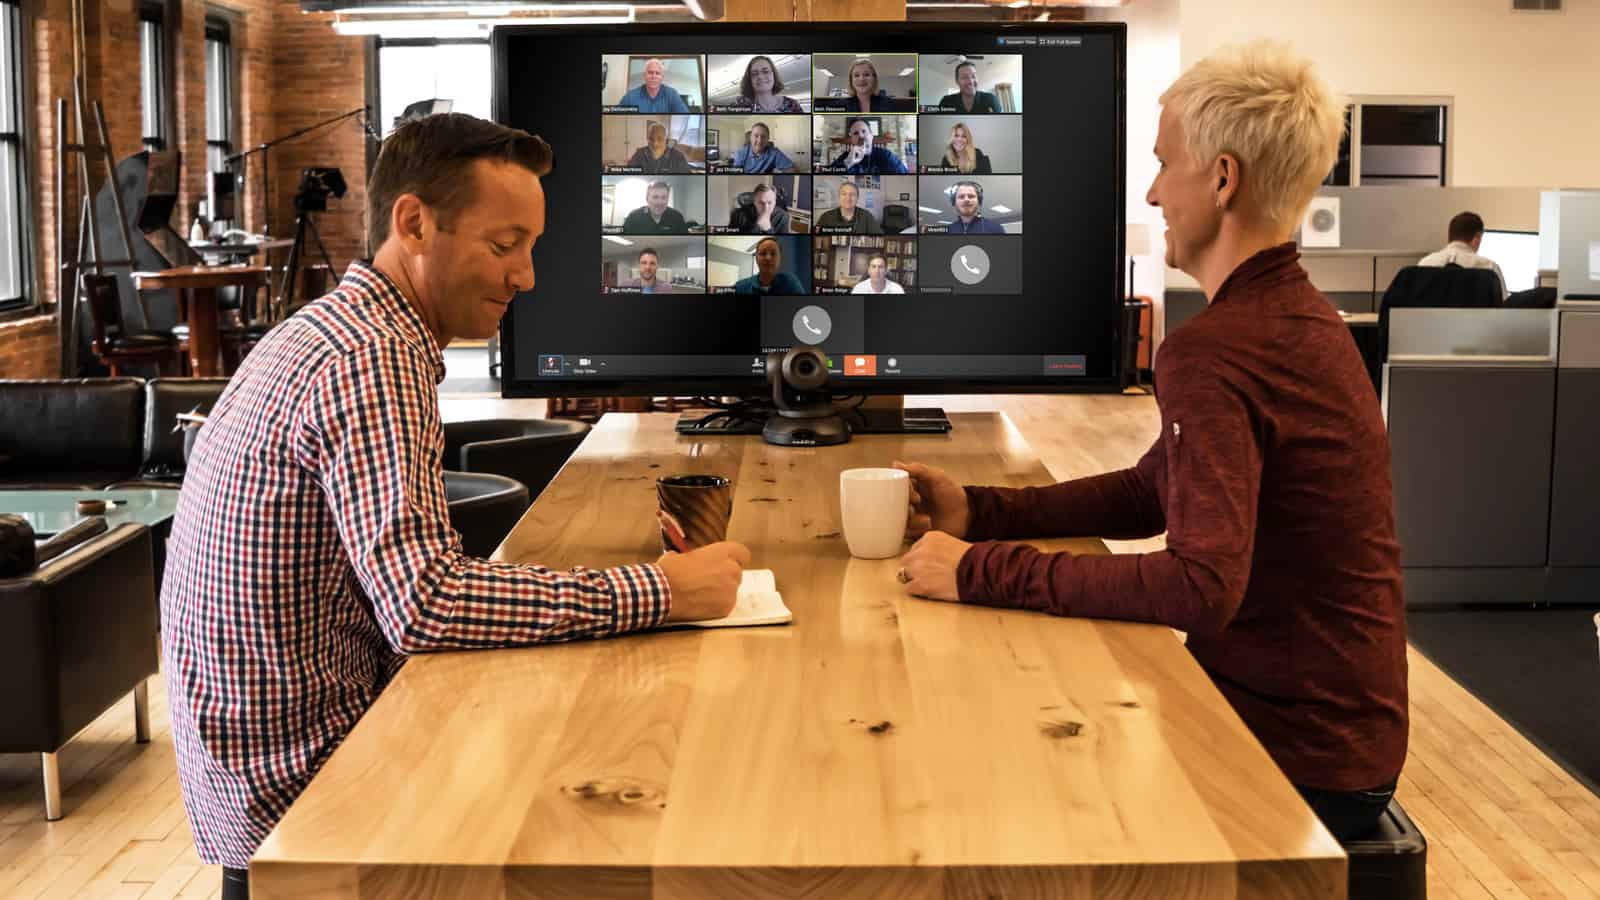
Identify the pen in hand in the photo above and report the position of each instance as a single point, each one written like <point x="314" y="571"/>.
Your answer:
<point x="669" y="527"/>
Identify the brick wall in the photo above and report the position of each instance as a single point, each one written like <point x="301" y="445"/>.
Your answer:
<point x="291" y="70"/>
<point x="28" y="348"/>
<point x="319" y="74"/>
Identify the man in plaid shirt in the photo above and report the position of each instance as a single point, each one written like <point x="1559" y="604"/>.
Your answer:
<point x="312" y="551"/>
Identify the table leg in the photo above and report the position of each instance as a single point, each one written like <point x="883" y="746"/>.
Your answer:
<point x="204" y="337"/>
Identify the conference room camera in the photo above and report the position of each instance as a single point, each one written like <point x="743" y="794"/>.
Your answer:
<point x="804" y="415"/>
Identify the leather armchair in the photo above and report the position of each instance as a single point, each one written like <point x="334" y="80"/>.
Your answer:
<point x="530" y="450"/>
<point x="75" y="434"/>
<point x="76" y="635"/>
<point x="483" y="508"/>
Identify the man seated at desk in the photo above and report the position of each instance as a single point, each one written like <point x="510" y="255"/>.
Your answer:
<point x="655" y="217"/>
<point x="967" y="198"/>
<point x="1466" y="236"/>
<point x="848" y="217"/>
<point x="763" y="215"/>
<point x="312" y="552"/>
<point x="1270" y="475"/>
<point x="759" y="156"/>
<point x="654" y="96"/>
<point x="648" y="282"/>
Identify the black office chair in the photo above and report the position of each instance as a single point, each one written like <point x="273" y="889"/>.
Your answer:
<point x="897" y="218"/>
<point x="1435" y="287"/>
<point x="483" y="508"/>
<point x="1533" y="298"/>
<point x="530" y="450"/>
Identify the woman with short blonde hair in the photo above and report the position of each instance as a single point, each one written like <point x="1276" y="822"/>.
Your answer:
<point x="1270" y="475"/>
<point x="1267" y="108"/>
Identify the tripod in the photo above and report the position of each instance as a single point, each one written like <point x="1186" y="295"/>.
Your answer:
<point x="291" y="270"/>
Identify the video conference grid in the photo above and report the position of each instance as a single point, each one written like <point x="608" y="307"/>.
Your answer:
<point x="708" y="157"/>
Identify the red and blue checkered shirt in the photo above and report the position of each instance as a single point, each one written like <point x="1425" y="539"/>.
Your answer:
<point x="312" y="552"/>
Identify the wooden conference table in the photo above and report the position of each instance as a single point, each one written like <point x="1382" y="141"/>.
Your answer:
<point x="878" y="746"/>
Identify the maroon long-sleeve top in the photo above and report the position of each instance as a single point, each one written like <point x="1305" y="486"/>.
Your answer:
<point x="1271" y="480"/>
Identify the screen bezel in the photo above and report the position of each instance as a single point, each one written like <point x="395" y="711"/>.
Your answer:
<point x="535" y="387"/>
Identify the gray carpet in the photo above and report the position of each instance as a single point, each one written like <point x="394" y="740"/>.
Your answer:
<point x="1539" y="669"/>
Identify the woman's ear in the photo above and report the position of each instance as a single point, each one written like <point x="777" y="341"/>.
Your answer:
<point x="1226" y="171"/>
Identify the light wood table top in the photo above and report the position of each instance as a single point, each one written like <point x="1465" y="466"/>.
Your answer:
<point x="879" y="746"/>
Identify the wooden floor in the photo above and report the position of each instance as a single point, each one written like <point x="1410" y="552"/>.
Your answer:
<point x="1501" y="819"/>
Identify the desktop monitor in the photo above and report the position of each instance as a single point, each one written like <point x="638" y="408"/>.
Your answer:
<point x="753" y="174"/>
<point x="1517" y="254"/>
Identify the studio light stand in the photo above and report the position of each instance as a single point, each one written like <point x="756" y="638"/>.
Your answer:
<point x="266" y="170"/>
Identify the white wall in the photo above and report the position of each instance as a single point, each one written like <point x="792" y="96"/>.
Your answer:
<point x="1525" y="84"/>
<point x="1153" y="43"/>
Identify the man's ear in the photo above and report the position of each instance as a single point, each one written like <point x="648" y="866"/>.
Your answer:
<point x="1225" y="176"/>
<point x="409" y="222"/>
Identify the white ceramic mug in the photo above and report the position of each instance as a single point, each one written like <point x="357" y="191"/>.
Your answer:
<point x="873" y="504"/>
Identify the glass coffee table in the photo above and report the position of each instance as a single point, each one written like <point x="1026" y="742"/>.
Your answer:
<point x="50" y="512"/>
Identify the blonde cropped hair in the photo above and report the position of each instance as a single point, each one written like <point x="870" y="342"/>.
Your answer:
<point x="1267" y="106"/>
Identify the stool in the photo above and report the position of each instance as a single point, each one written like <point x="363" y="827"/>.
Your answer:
<point x="1391" y="862"/>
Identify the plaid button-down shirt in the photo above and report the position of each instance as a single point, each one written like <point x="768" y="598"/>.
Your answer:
<point x="312" y="552"/>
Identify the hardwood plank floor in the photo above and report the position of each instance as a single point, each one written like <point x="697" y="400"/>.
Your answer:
<point x="1502" y="820"/>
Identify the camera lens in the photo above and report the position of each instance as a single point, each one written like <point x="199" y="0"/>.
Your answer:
<point x="805" y="366"/>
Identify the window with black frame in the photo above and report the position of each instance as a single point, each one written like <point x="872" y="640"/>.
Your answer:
<point x="219" y="95"/>
<point x="14" y="292"/>
<point x="153" y="81"/>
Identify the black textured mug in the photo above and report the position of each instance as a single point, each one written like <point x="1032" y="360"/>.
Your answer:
<point x="693" y="510"/>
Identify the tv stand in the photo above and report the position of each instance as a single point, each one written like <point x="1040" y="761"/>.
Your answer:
<point x="860" y="420"/>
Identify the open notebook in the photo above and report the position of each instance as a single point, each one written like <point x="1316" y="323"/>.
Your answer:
<point x="759" y="603"/>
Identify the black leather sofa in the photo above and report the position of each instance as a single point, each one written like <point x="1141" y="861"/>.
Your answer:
<point x="78" y="434"/>
<point x="92" y="433"/>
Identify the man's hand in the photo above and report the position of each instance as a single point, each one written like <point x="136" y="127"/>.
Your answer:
<point x="704" y="582"/>
<point x="764" y="222"/>
<point x="929" y="567"/>
<point x="937" y="502"/>
<point x="858" y="152"/>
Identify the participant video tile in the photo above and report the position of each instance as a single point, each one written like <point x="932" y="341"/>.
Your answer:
<point x="951" y="264"/>
<point x="968" y="204"/>
<point x="759" y="265"/>
<point x="652" y="265"/>
<point x="658" y="84"/>
<point x="652" y="204"/>
<point x="970" y="83"/>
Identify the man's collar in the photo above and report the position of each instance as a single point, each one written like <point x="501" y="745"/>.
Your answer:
<point x="363" y="280"/>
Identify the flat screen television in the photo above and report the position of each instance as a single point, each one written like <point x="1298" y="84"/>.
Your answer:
<point x="854" y="187"/>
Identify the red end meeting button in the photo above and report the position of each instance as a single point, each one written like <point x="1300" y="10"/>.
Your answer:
<point x="1065" y="365"/>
